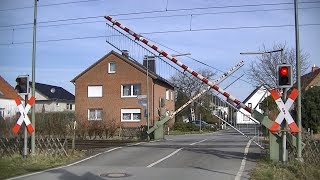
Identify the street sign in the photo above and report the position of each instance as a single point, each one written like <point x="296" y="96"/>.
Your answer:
<point x="24" y="115"/>
<point x="142" y="97"/>
<point x="142" y="100"/>
<point x="284" y="111"/>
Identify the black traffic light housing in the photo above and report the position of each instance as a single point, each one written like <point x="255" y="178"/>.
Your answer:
<point x="284" y="76"/>
<point x="22" y="86"/>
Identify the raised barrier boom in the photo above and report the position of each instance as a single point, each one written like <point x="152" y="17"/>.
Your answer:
<point x="179" y="63"/>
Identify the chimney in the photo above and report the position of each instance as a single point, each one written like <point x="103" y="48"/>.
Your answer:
<point x="314" y="68"/>
<point x="151" y="63"/>
<point x="125" y="53"/>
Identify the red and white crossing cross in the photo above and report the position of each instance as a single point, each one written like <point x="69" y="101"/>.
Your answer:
<point x="284" y="111"/>
<point x="24" y="115"/>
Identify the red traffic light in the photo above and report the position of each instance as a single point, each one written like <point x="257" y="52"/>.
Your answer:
<point x="284" y="71"/>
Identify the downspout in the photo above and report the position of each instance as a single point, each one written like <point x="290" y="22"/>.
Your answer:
<point x="153" y="102"/>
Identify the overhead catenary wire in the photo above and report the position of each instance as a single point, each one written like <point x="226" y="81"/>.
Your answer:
<point x="173" y="10"/>
<point x="172" y="31"/>
<point x="47" y="5"/>
<point x="166" y="9"/>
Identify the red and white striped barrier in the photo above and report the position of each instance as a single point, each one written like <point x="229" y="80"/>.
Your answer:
<point x="284" y="111"/>
<point x="179" y="63"/>
<point x="24" y="115"/>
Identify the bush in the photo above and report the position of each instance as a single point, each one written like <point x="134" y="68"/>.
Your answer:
<point x="185" y="127"/>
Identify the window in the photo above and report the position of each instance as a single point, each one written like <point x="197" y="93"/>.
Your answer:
<point x="250" y="105"/>
<point x="130" y="115"/>
<point x="69" y="106"/>
<point x="171" y="95"/>
<point x="130" y="90"/>
<point x="167" y="95"/>
<point x="94" y="91"/>
<point x="111" y="67"/>
<point x="2" y="112"/>
<point x="94" y="114"/>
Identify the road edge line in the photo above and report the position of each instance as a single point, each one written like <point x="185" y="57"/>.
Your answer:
<point x="68" y="165"/>
<point x="243" y="162"/>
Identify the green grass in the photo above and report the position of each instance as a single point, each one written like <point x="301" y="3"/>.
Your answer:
<point x="16" y="165"/>
<point x="268" y="170"/>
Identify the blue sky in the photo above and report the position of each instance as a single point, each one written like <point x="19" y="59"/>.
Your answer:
<point x="58" y="62"/>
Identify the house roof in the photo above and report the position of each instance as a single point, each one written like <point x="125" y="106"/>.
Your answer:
<point x="252" y="93"/>
<point x="53" y="92"/>
<point x="6" y="90"/>
<point x="134" y="63"/>
<point x="308" y="78"/>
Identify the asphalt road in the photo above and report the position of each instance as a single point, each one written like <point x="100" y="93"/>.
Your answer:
<point x="220" y="155"/>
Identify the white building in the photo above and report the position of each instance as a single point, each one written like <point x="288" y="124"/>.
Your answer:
<point x="8" y="107"/>
<point x="51" y="98"/>
<point x="252" y="101"/>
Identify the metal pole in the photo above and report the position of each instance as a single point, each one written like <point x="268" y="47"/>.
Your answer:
<point x="200" y="121"/>
<point x="284" y="133"/>
<point x="25" y="140"/>
<point x="33" y="118"/>
<point x="284" y="123"/>
<point x="147" y="109"/>
<point x="298" y="70"/>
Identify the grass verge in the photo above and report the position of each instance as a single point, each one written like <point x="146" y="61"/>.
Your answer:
<point x="16" y="165"/>
<point x="268" y="170"/>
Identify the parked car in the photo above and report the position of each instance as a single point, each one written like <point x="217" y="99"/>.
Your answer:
<point x="203" y="124"/>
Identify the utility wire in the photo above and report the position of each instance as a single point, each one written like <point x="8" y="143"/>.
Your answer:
<point x="146" y="17"/>
<point x="47" y="5"/>
<point x="172" y="31"/>
<point x="157" y="11"/>
<point x="181" y="9"/>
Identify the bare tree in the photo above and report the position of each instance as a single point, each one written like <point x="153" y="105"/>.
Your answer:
<point x="190" y="85"/>
<point x="263" y="69"/>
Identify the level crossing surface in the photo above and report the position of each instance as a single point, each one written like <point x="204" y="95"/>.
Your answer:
<point x="220" y="155"/>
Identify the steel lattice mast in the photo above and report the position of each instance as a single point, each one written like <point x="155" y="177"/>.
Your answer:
<point x="179" y="63"/>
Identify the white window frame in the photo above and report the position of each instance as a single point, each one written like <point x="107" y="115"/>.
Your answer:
<point x="109" y="67"/>
<point x="2" y="112"/>
<point x="171" y="95"/>
<point x="96" y="112"/>
<point x="167" y="94"/>
<point x="94" y="91"/>
<point x="131" y="111"/>
<point x="131" y="90"/>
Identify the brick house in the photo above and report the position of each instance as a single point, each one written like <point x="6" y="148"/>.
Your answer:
<point x="108" y="91"/>
<point x="311" y="79"/>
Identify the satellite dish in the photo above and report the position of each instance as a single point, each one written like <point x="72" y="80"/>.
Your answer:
<point x="53" y="90"/>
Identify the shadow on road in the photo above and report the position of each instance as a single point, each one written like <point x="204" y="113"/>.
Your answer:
<point x="66" y="175"/>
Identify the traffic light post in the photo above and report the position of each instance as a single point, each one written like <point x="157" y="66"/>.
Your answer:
<point x="22" y="88"/>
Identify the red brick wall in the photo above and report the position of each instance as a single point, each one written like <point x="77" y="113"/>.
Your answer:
<point x="111" y="101"/>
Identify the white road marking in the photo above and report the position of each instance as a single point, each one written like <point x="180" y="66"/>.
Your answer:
<point x="135" y="144"/>
<point x="173" y="153"/>
<point x="60" y="167"/>
<point x="164" y="158"/>
<point x="243" y="162"/>
<point x="198" y="142"/>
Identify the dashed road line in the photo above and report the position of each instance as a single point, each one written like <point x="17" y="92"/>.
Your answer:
<point x="164" y="158"/>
